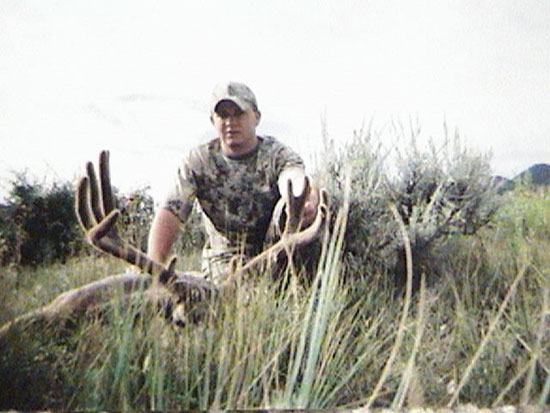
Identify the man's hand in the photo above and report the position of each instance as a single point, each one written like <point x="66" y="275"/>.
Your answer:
<point x="298" y="177"/>
<point x="310" y="207"/>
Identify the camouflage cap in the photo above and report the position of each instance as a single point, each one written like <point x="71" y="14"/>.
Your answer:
<point x="238" y="93"/>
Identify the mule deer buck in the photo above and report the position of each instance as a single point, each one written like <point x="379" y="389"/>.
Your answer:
<point x="95" y="209"/>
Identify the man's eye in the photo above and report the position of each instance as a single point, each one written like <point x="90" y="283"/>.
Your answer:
<point x="235" y="114"/>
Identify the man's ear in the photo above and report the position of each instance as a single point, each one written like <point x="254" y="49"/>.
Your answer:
<point x="258" y="117"/>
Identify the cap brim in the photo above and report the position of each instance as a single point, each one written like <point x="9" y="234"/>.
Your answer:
<point x="241" y="103"/>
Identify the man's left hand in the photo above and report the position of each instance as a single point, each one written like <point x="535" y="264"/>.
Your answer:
<point x="310" y="206"/>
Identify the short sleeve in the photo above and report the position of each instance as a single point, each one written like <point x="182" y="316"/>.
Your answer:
<point x="181" y="197"/>
<point x="286" y="158"/>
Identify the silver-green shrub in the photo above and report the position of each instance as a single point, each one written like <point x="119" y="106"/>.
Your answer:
<point x="440" y="191"/>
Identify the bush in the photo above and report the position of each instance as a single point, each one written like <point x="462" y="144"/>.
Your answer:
<point x="38" y="224"/>
<point x="137" y="210"/>
<point x="438" y="191"/>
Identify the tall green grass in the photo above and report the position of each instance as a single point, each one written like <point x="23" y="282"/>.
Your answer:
<point x="477" y="334"/>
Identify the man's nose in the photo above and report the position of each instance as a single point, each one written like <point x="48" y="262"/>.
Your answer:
<point x="230" y="119"/>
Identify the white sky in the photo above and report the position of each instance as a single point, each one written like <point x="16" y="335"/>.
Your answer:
<point x="135" y="77"/>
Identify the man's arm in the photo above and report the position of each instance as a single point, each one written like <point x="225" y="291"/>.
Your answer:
<point x="163" y="234"/>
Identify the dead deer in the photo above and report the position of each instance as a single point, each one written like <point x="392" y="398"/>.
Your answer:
<point x="95" y="209"/>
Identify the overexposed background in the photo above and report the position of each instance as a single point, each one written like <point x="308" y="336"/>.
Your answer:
<point x="135" y="77"/>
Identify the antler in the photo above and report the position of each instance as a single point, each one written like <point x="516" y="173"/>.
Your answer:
<point x="290" y="237"/>
<point x="95" y="209"/>
<point x="97" y="217"/>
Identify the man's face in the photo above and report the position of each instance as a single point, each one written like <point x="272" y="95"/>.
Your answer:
<point x="236" y="128"/>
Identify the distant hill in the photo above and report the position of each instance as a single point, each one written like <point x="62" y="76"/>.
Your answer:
<point x="503" y="184"/>
<point x="534" y="176"/>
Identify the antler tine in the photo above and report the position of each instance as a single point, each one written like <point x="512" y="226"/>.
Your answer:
<point x="294" y="206"/>
<point x="82" y="205"/>
<point x="95" y="198"/>
<point x="105" y="180"/>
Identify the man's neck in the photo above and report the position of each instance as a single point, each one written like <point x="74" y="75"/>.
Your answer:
<point x="240" y="151"/>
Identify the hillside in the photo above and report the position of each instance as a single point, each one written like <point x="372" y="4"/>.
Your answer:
<point x="535" y="176"/>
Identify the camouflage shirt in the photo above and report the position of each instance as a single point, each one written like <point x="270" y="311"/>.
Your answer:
<point x="236" y="196"/>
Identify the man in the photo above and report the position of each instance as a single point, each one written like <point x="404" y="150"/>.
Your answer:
<point x="237" y="179"/>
